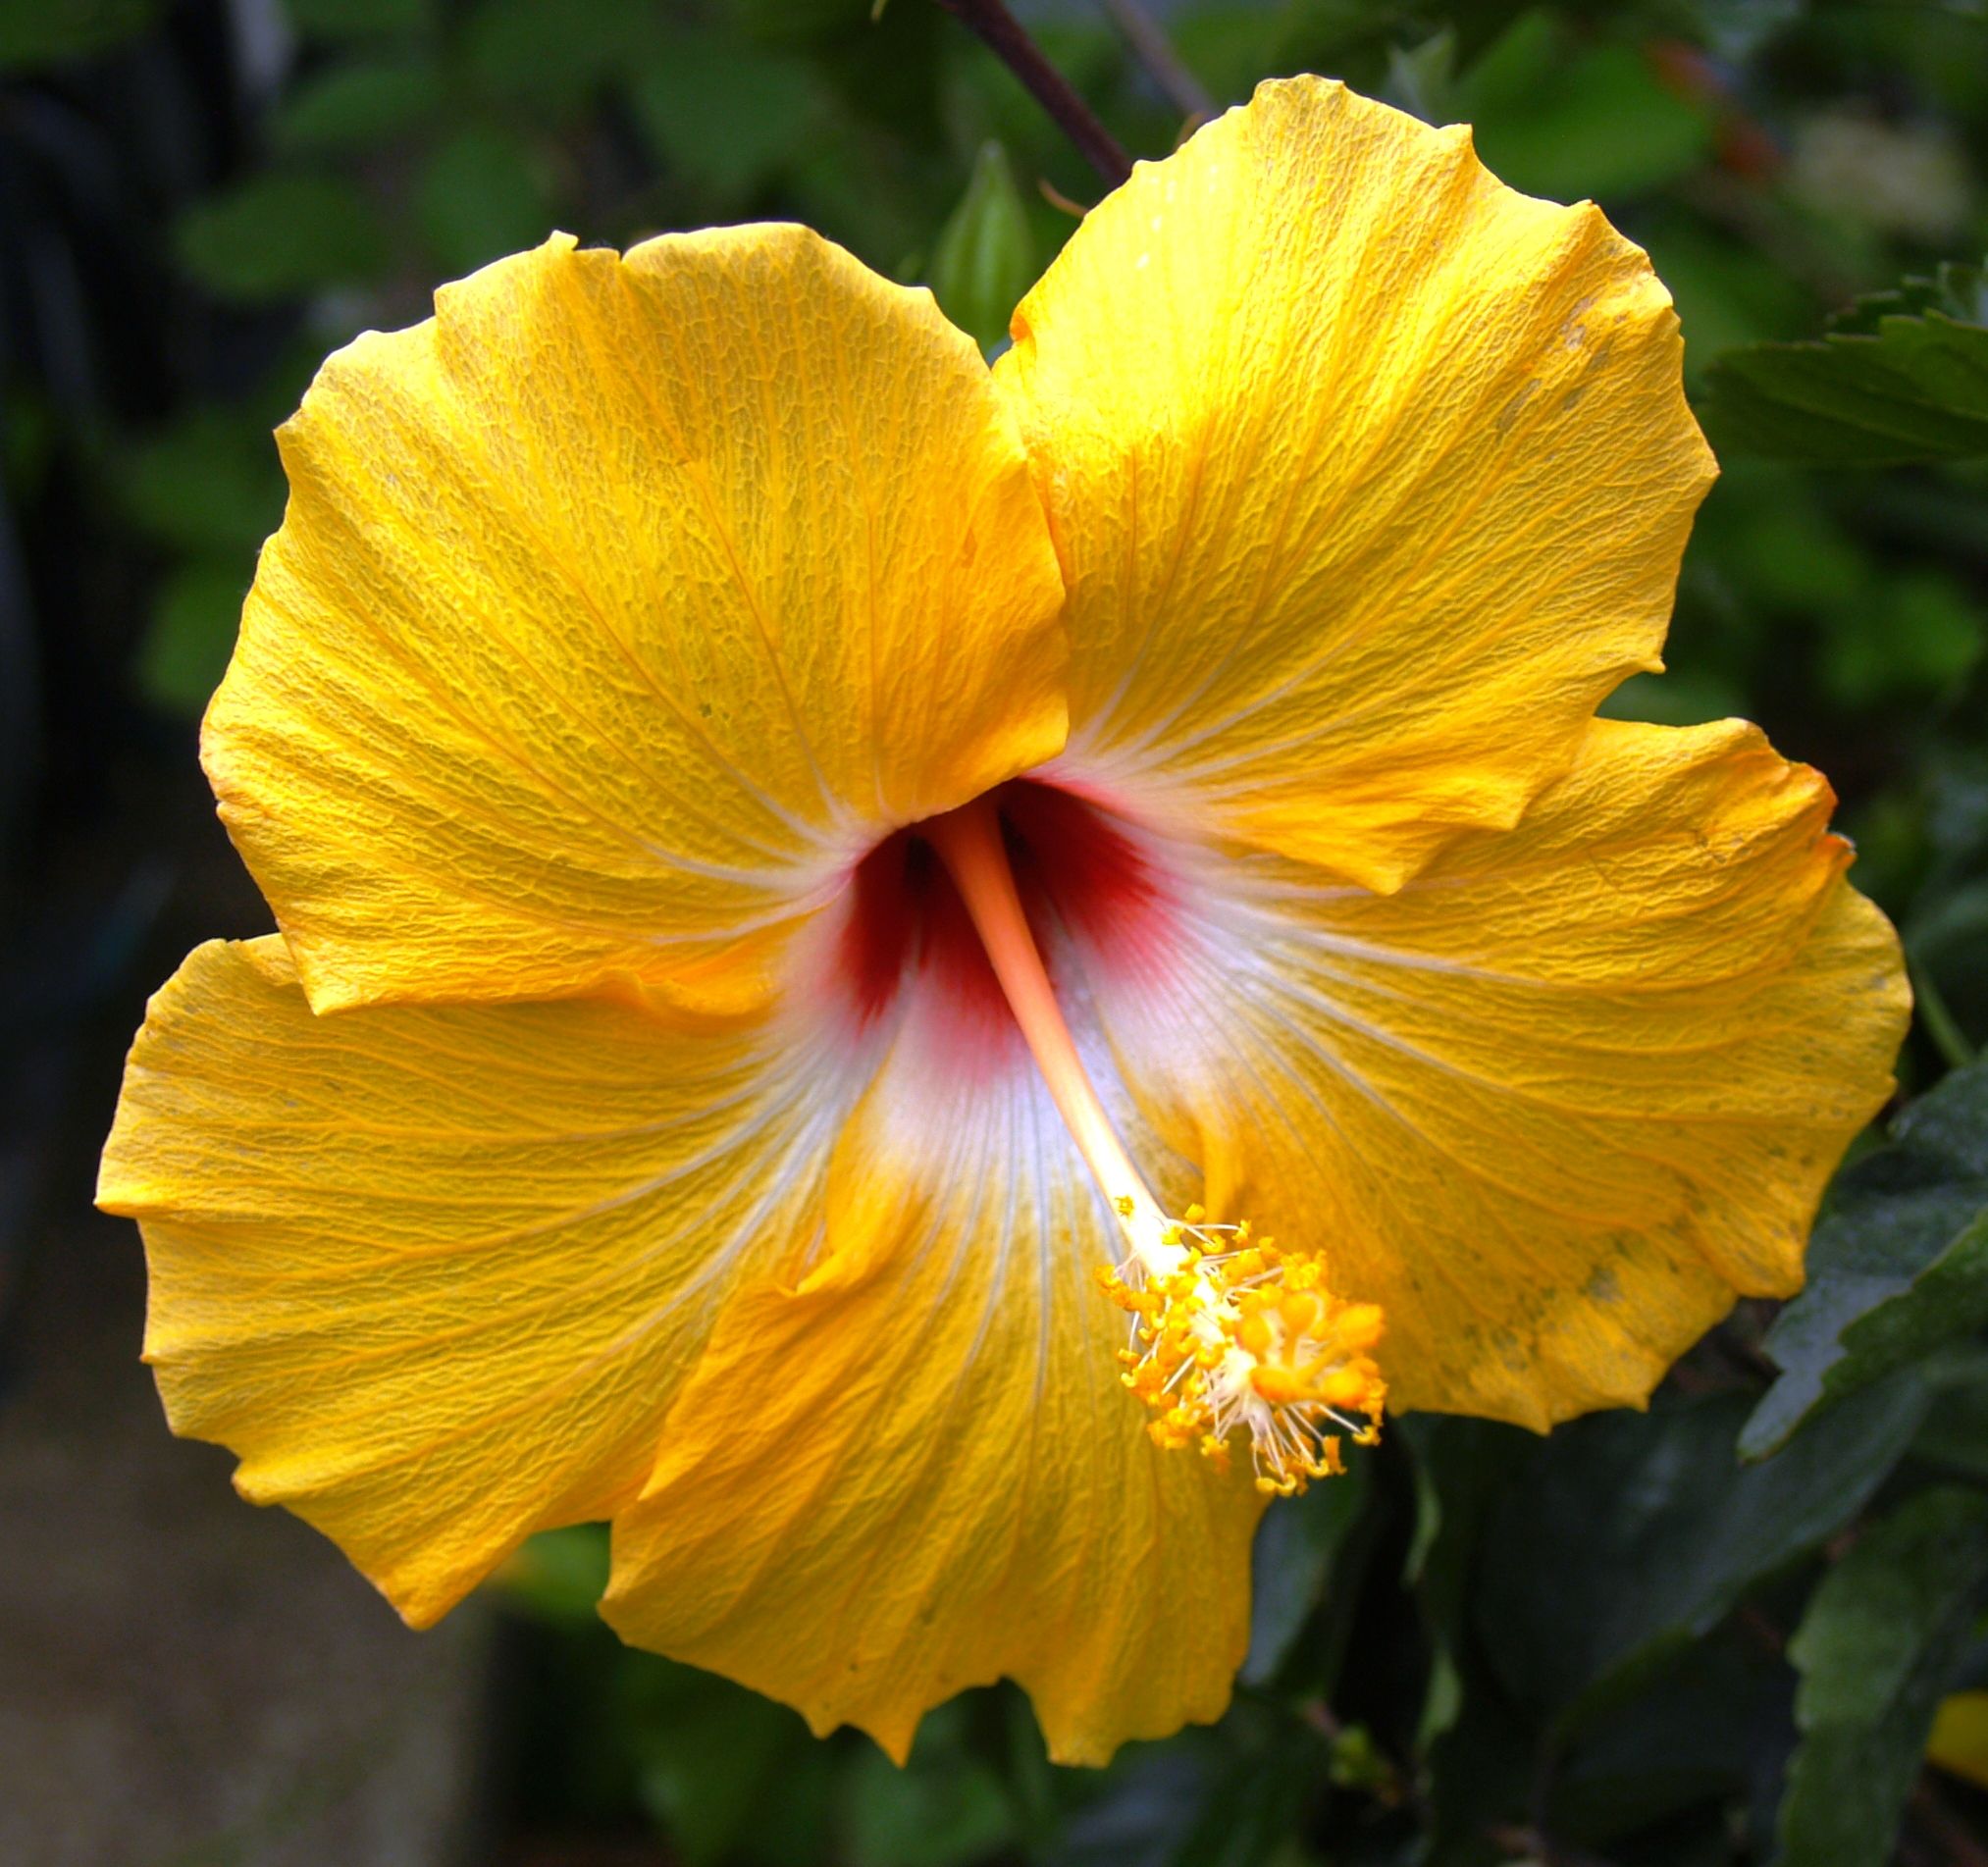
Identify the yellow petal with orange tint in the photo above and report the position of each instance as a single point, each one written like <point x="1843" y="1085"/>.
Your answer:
<point x="1560" y="1099"/>
<point x="911" y="1467"/>
<point x="433" y="1273"/>
<point x="617" y="608"/>
<point x="1369" y="476"/>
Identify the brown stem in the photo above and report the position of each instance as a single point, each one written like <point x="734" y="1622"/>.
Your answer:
<point x="1154" y="51"/>
<point x="1001" y="32"/>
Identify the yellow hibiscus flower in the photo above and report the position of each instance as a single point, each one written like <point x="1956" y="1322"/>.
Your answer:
<point x="798" y="855"/>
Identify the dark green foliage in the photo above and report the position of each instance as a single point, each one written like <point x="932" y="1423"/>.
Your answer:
<point x="1900" y="1269"/>
<point x="1876" y="1648"/>
<point x="1577" y="1604"/>
<point x="44" y="33"/>
<point x="282" y="233"/>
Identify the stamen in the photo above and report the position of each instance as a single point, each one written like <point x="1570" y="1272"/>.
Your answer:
<point x="1230" y="1334"/>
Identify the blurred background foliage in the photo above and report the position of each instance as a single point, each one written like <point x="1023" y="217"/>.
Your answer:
<point x="1724" y="1632"/>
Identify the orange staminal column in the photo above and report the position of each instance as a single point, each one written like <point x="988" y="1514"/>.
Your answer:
<point x="1230" y="1335"/>
<point x="971" y="844"/>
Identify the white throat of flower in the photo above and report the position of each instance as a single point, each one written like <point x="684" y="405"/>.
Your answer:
<point x="1232" y="1337"/>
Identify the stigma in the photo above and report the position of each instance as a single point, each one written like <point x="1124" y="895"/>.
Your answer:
<point x="1234" y="1342"/>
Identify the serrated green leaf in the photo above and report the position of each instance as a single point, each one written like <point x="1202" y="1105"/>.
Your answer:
<point x="1960" y="291"/>
<point x="281" y="234"/>
<point x="986" y="255"/>
<point x="1900" y="1265"/>
<point x="1875" y="1650"/>
<point x="1631" y="1534"/>
<point x="357" y="107"/>
<point x="1907" y="388"/>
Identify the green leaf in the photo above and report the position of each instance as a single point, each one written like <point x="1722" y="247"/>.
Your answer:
<point x="359" y="19"/>
<point x="481" y="196"/>
<point x="526" y="52"/>
<point x="1689" y="1738"/>
<point x="560" y="1575"/>
<point x="1955" y="1434"/>
<point x="1919" y="632"/>
<point x="1462" y="1467"/>
<point x="1630" y="1535"/>
<point x="1887" y="388"/>
<point x="712" y="1756"/>
<point x="190" y="635"/>
<point x="1564" y="121"/>
<point x="726" y="123"/>
<point x="1900" y="1265"/>
<point x="281" y="234"/>
<point x="37" y="33"/>
<point x="945" y="1807"/>
<point x="357" y="107"/>
<point x="1876" y="1649"/>
<point x="209" y="484"/>
<point x="1299" y="1544"/>
<point x="1956" y="290"/>
<point x="986" y="255"/>
<point x="1256" y="1799"/>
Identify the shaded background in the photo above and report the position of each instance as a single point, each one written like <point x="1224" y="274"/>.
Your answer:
<point x="1478" y="1648"/>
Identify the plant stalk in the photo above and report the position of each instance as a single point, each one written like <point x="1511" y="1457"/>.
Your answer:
<point x="1003" y="35"/>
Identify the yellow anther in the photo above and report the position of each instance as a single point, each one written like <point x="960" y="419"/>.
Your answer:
<point x="1235" y="1338"/>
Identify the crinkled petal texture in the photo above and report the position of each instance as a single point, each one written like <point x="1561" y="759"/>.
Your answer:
<point x="615" y="608"/>
<point x="442" y="1276"/>
<point x="1369" y="476"/>
<point x="1564" y="1095"/>
<point x="916" y="1468"/>
<point x="434" y="1273"/>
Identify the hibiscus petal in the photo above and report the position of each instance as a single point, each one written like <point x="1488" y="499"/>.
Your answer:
<point x="1560" y="1098"/>
<point x="1369" y="476"/>
<point x="616" y="608"/>
<point x="433" y="1273"/>
<point x="914" y="1469"/>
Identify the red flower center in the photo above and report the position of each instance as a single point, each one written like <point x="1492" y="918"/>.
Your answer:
<point x="1089" y="888"/>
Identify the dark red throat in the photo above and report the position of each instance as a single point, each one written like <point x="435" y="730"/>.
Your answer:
<point x="1090" y="890"/>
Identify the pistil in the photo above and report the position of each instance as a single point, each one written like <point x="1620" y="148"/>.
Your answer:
<point x="971" y="844"/>
<point x="1230" y="1334"/>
